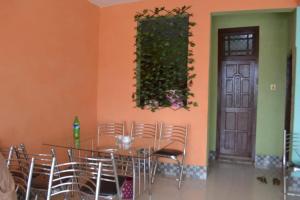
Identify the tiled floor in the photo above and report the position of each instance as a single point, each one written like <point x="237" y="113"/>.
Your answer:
<point x="225" y="182"/>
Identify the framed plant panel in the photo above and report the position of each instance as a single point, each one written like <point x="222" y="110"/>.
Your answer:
<point x="164" y="70"/>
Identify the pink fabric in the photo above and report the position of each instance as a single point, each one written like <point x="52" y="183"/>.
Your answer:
<point x="7" y="185"/>
<point x="127" y="189"/>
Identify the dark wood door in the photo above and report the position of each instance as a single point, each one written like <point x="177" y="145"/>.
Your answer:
<point x="238" y="52"/>
<point x="237" y="105"/>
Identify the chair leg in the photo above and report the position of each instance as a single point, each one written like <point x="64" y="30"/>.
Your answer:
<point x="150" y="176"/>
<point x="139" y="175"/>
<point x="284" y="187"/>
<point x="144" y="165"/>
<point x="134" y="179"/>
<point x="181" y="165"/>
<point x="180" y="176"/>
<point x="285" y="177"/>
<point x="154" y="170"/>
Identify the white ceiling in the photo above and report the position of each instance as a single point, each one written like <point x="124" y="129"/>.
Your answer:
<point x="105" y="3"/>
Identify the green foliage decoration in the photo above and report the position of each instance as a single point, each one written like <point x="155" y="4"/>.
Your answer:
<point x="164" y="58"/>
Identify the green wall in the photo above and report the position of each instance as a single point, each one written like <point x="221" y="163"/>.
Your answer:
<point x="273" y="50"/>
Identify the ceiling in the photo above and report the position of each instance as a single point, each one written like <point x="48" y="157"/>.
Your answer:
<point x="105" y="3"/>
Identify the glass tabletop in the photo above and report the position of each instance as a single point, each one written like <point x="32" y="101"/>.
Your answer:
<point x="137" y="147"/>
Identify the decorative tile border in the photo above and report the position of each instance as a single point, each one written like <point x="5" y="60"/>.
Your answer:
<point x="267" y="161"/>
<point x="294" y="184"/>
<point x="212" y="155"/>
<point x="190" y="171"/>
<point x="261" y="161"/>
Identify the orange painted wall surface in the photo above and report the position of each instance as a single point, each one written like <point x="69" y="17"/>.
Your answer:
<point x="48" y="67"/>
<point x="115" y="74"/>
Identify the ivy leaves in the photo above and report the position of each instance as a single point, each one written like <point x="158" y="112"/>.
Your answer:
<point x="164" y="58"/>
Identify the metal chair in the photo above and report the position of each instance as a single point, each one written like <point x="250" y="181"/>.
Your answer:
<point x="178" y="135"/>
<point x="74" y="177"/>
<point x="126" y="169"/>
<point x="149" y="131"/>
<point x="41" y="170"/>
<point x="144" y="130"/>
<point x="291" y="142"/>
<point x="110" y="181"/>
<point x="111" y="128"/>
<point x="22" y="172"/>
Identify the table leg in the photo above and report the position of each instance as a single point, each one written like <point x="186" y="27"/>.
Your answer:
<point x="145" y="173"/>
<point x="139" y="171"/>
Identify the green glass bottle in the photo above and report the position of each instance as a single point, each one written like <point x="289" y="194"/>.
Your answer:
<point x="77" y="143"/>
<point x="76" y="128"/>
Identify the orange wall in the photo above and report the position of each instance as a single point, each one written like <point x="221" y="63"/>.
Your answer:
<point x="48" y="67"/>
<point x="115" y="74"/>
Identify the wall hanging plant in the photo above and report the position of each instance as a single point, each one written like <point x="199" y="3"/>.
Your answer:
<point x="164" y="57"/>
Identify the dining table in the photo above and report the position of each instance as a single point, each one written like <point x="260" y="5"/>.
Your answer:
<point x="137" y="148"/>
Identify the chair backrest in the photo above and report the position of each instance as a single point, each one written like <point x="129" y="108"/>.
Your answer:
<point x="144" y="130"/>
<point x="175" y="133"/>
<point x="22" y="172"/>
<point x="22" y="151"/>
<point x="74" y="177"/>
<point x="108" y="164"/>
<point x="111" y="128"/>
<point x="291" y="142"/>
<point x="42" y="164"/>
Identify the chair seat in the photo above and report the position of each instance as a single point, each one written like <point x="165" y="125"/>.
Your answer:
<point x="106" y="188"/>
<point x="168" y="152"/>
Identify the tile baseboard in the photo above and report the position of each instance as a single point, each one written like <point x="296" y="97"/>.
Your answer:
<point x="294" y="184"/>
<point x="268" y="161"/>
<point x="261" y="161"/>
<point x="190" y="171"/>
<point x="212" y="155"/>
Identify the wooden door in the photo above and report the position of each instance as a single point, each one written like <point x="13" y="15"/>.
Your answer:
<point x="237" y="92"/>
<point x="237" y="104"/>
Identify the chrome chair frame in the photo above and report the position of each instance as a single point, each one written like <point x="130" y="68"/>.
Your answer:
<point x="22" y="172"/>
<point x="41" y="168"/>
<point x="177" y="134"/>
<point x="126" y="167"/>
<point x="108" y="171"/>
<point x="291" y="142"/>
<point x="70" y="177"/>
<point x="111" y="128"/>
<point x="144" y="130"/>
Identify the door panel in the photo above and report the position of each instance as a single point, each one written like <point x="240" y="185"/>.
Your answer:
<point x="237" y="107"/>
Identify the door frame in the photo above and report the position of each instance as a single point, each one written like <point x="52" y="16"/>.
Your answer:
<point x="288" y="97"/>
<point x="254" y="58"/>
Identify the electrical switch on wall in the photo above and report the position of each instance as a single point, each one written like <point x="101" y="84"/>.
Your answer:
<point x="273" y="87"/>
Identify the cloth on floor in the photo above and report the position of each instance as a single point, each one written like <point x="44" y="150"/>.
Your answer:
<point x="7" y="184"/>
